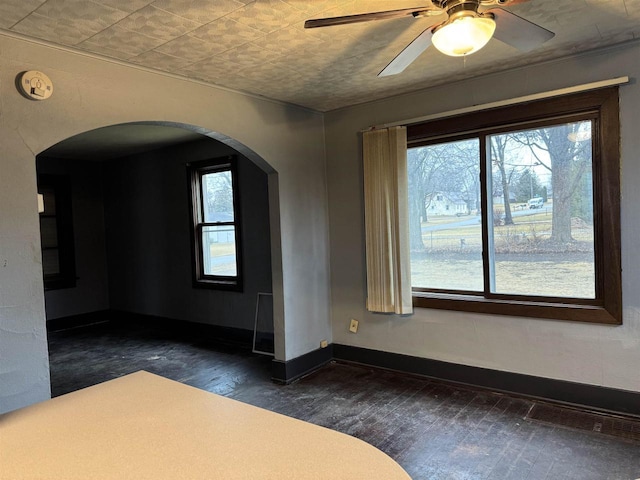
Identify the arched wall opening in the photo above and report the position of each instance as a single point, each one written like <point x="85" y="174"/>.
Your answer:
<point x="91" y="93"/>
<point x="129" y="200"/>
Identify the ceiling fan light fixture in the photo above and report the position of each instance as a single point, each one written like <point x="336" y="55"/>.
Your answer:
<point x="464" y="35"/>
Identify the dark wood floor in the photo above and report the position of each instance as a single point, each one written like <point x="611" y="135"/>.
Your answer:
<point x="434" y="430"/>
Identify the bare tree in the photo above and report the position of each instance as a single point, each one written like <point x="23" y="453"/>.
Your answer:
<point x="422" y="165"/>
<point x="569" y="149"/>
<point x="498" y="150"/>
<point x="462" y="171"/>
<point x="219" y="192"/>
<point x="449" y="167"/>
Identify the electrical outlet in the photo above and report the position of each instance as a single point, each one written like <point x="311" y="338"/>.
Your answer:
<point x="323" y="344"/>
<point x="353" y="326"/>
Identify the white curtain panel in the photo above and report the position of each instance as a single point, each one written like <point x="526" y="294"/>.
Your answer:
<point x="386" y="223"/>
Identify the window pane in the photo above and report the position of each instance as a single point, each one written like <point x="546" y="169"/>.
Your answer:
<point x="49" y="232"/>
<point x="542" y="216"/>
<point x="51" y="262"/>
<point x="217" y="192"/>
<point x="444" y="216"/>
<point x="219" y="250"/>
<point x="49" y="199"/>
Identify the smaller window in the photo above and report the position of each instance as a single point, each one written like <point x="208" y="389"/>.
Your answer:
<point x="56" y="232"/>
<point x="215" y="223"/>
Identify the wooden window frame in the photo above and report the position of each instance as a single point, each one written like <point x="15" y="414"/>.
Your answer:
<point x="195" y="172"/>
<point x="602" y="106"/>
<point x="61" y="186"/>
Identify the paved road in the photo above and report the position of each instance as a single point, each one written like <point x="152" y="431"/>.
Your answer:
<point x="475" y="219"/>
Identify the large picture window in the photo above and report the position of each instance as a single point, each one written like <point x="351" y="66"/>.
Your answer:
<point x="516" y="210"/>
<point x="215" y="223"/>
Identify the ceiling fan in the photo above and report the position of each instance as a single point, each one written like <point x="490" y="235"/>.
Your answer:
<point x="468" y="27"/>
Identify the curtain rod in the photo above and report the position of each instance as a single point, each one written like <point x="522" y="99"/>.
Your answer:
<point x="503" y="103"/>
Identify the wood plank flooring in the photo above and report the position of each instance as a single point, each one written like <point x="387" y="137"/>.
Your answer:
<point x="434" y="430"/>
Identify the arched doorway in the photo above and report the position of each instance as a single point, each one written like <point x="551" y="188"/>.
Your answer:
<point x="129" y="219"/>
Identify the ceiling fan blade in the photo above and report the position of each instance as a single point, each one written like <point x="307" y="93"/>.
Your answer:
<point x="409" y="54"/>
<point x="363" y="17"/>
<point x="518" y="32"/>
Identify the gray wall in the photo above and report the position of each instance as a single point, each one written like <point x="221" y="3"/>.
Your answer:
<point x="92" y="93"/>
<point x="592" y="354"/>
<point x="149" y="243"/>
<point x="91" y="292"/>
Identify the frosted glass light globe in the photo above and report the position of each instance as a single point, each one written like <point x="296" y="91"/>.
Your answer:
<point x="464" y="35"/>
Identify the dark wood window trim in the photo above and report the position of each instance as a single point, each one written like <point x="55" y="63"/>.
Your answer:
<point x="602" y="105"/>
<point x="195" y="171"/>
<point x="60" y="185"/>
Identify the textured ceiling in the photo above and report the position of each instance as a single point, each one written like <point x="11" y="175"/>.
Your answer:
<point x="261" y="47"/>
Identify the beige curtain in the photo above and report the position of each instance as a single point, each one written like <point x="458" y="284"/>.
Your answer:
<point x="386" y="223"/>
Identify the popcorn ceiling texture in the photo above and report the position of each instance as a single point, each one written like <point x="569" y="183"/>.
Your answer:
<point x="261" y="47"/>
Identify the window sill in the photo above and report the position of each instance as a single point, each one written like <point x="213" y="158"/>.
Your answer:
<point x="517" y="308"/>
<point x="229" y="285"/>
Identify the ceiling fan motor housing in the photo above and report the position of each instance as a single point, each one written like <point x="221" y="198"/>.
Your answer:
<point x="452" y="6"/>
<point x="459" y="8"/>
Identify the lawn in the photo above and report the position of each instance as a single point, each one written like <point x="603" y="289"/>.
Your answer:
<point x="554" y="274"/>
<point x="222" y="249"/>
<point x="222" y="266"/>
<point x="525" y="263"/>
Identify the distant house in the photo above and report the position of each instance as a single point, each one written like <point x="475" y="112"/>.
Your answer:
<point x="499" y="199"/>
<point x="446" y="203"/>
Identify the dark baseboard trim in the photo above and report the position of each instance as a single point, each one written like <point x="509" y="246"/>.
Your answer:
<point x="296" y="368"/>
<point x="201" y="331"/>
<point x="236" y="336"/>
<point x="593" y="397"/>
<point x="74" y="321"/>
